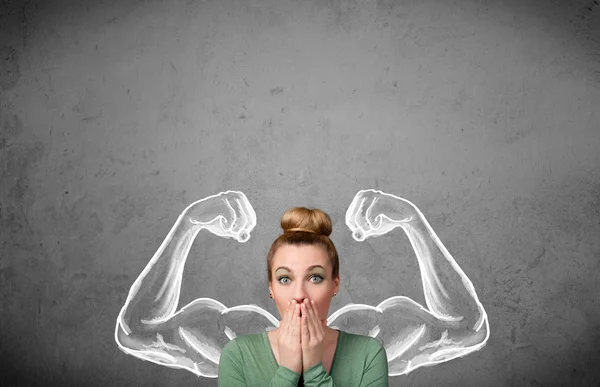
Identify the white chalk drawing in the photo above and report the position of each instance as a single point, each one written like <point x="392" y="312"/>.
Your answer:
<point x="150" y="327"/>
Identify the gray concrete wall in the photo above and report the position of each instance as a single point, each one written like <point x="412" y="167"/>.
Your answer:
<point x="116" y="115"/>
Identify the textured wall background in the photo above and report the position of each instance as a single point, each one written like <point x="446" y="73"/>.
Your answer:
<point x="117" y="114"/>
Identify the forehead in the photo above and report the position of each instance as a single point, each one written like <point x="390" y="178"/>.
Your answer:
<point x="298" y="258"/>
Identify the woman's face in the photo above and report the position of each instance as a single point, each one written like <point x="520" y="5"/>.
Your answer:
<point x="300" y="272"/>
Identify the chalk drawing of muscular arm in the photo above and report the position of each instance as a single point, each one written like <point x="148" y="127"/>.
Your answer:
<point x="150" y="327"/>
<point x="454" y="323"/>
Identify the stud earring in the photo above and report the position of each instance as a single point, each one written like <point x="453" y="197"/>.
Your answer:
<point x="334" y="294"/>
<point x="270" y="295"/>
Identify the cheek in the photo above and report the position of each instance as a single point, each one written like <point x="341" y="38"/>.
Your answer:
<point x="283" y="306"/>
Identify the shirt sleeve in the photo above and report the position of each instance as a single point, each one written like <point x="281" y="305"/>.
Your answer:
<point x="231" y="370"/>
<point x="376" y="367"/>
<point x="284" y="377"/>
<point x="317" y="376"/>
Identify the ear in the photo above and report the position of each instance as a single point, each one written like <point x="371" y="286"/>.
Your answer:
<point x="336" y="285"/>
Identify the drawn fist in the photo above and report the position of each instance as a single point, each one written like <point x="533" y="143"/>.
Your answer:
<point x="228" y="214"/>
<point x="374" y="213"/>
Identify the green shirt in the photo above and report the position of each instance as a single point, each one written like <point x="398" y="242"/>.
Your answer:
<point x="249" y="361"/>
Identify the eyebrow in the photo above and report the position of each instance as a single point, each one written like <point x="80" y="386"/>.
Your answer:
<point x="309" y="268"/>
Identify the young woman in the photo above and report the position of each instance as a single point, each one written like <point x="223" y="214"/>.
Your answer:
<point x="303" y="276"/>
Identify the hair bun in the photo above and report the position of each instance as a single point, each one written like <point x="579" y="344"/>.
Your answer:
<point x="303" y="219"/>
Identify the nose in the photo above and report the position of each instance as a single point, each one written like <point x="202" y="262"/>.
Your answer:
<point x="300" y="293"/>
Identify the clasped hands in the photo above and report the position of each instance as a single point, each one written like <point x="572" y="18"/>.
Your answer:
<point x="301" y="339"/>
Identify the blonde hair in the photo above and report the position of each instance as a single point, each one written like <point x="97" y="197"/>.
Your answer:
<point x="303" y="226"/>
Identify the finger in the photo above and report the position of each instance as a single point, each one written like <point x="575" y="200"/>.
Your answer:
<point x="360" y="217"/>
<point x="238" y="221"/>
<point x="297" y="321"/>
<point x="304" y="323"/>
<point x="311" y="308"/>
<point x="290" y="312"/>
<point x="369" y="215"/>
<point x="353" y="209"/>
<point x="359" y="213"/>
<point x="316" y="325"/>
<point x="232" y="214"/>
<point x="248" y="211"/>
<point x="286" y="329"/>
<point x="312" y="319"/>
<point x="243" y="219"/>
<point x="239" y="212"/>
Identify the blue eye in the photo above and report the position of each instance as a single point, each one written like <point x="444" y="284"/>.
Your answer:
<point x="318" y="277"/>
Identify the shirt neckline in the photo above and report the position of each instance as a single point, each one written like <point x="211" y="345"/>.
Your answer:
<point x="274" y="360"/>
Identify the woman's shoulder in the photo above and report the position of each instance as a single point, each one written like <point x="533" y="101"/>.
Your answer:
<point x="363" y="348"/>
<point x="246" y="342"/>
<point x="362" y="341"/>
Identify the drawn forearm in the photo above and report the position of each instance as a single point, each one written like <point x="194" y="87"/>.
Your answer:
<point x="154" y="296"/>
<point x="449" y="293"/>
